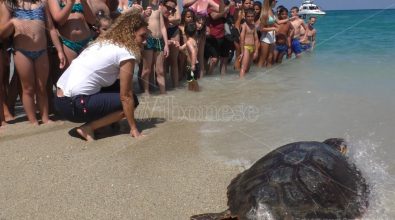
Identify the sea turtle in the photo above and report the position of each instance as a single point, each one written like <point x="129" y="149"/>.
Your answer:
<point x="302" y="180"/>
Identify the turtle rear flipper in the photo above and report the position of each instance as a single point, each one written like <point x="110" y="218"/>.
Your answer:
<point x="215" y="216"/>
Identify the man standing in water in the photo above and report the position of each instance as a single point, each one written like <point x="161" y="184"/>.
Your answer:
<point x="308" y="41"/>
<point x="298" y="24"/>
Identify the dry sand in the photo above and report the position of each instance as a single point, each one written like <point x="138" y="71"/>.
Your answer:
<point x="47" y="174"/>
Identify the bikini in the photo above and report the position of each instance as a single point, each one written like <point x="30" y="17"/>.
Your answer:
<point x="130" y="3"/>
<point x="76" y="46"/>
<point x="77" y="7"/>
<point x="32" y="14"/>
<point x="250" y="48"/>
<point x="270" y="36"/>
<point x="199" y="11"/>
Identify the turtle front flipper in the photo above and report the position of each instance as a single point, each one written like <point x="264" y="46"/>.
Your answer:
<point x="215" y="216"/>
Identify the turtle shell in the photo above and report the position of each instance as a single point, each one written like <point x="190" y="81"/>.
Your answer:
<point x="299" y="180"/>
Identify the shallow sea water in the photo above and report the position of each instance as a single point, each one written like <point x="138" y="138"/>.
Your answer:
<point x="344" y="89"/>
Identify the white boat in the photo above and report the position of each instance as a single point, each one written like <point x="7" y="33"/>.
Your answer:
<point x="308" y="9"/>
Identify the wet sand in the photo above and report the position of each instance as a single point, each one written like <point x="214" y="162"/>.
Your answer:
<point x="45" y="173"/>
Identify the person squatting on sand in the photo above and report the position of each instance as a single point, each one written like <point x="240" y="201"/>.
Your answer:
<point x="88" y="91"/>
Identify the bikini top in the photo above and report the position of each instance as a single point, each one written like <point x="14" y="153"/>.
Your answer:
<point x="130" y="3"/>
<point x="30" y="14"/>
<point x="202" y="11"/>
<point x="271" y="20"/>
<point x="77" y="7"/>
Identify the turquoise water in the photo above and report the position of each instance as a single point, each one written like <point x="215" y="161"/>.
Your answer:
<point x="345" y="88"/>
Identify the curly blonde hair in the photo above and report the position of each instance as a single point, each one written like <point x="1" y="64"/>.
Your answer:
<point x="123" y="31"/>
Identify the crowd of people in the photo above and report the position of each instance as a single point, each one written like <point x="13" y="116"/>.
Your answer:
<point x="87" y="50"/>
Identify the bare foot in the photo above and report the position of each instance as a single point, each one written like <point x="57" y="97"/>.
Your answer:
<point x="35" y="123"/>
<point x="146" y="94"/>
<point x="86" y="132"/>
<point x="3" y="125"/>
<point x="48" y="121"/>
<point x="9" y="117"/>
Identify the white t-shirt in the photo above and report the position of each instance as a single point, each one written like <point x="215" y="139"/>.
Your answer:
<point x="96" y="67"/>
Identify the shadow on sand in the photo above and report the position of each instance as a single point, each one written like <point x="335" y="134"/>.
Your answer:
<point x="120" y="128"/>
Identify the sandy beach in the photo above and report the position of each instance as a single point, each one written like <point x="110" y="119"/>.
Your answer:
<point x="45" y="173"/>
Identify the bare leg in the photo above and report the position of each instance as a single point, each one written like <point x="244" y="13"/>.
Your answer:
<point x="244" y="63"/>
<point x="201" y="56"/>
<point x="147" y="68"/>
<point x="2" y="91"/>
<point x="181" y="65"/>
<point x="25" y="68"/>
<point x="275" y="56"/>
<point x="212" y="65"/>
<point x="70" y="55"/>
<point x="8" y="91"/>
<point x="238" y="52"/>
<point x="173" y="58"/>
<point x="87" y="130"/>
<point x="224" y="65"/>
<point x="270" y="56"/>
<point x="41" y="66"/>
<point x="160" y="75"/>
<point x="264" y="53"/>
<point x="259" y="54"/>
<point x="280" y="57"/>
<point x="14" y="89"/>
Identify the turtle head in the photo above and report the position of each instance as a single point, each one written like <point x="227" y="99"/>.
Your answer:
<point x="338" y="143"/>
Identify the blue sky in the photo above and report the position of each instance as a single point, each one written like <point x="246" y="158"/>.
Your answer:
<point x="343" y="4"/>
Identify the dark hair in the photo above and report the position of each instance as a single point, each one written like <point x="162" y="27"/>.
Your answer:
<point x="14" y="3"/>
<point x="259" y="4"/>
<point x="184" y="13"/>
<point x="295" y="8"/>
<point x="204" y="21"/>
<point x="282" y="10"/>
<point x="249" y="11"/>
<point x="313" y="17"/>
<point x="190" y="29"/>
<point x="280" y="7"/>
<point x="174" y="1"/>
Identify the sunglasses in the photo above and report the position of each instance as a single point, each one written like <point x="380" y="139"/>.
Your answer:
<point x="170" y="9"/>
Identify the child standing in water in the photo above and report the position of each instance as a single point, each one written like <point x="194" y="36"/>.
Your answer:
<point x="187" y="16"/>
<point x="191" y="49"/>
<point x="249" y="42"/>
<point x="28" y="22"/>
<point x="283" y="37"/>
<point x="201" y="30"/>
<point x="157" y="48"/>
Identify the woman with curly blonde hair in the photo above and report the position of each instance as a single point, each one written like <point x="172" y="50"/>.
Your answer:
<point x="88" y="91"/>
